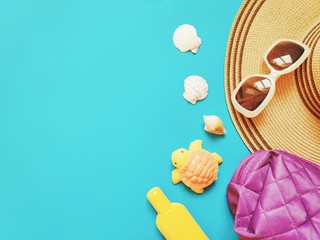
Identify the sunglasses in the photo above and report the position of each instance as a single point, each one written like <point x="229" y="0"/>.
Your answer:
<point x="254" y="92"/>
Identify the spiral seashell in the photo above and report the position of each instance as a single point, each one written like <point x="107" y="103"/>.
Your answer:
<point x="195" y="88"/>
<point x="185" y="38"/>
<point x="213" y="124"/>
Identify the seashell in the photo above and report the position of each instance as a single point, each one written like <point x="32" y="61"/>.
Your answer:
<point x="185" y="38"/>
<point x="195" y="88"/>
<point x="213" y="124"/>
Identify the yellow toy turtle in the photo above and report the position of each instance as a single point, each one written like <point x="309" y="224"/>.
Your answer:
<point x="196" y="168"/>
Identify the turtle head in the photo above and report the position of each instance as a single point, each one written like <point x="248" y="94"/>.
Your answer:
<point x="179" y="157"/>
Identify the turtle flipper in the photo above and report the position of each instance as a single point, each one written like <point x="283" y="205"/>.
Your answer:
<point x="195" y="145"/>
<point x="217" y="157"/>
<point x="197" y="190"/>
<point x="176" y="176"/>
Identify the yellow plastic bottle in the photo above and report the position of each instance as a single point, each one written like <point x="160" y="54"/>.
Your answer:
<point x="174" y="220"/>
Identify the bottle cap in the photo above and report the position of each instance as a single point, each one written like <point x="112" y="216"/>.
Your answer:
<point x="158" y="200"/>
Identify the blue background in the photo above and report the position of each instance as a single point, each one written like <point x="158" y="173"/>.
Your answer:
<point x="91" y="109"/>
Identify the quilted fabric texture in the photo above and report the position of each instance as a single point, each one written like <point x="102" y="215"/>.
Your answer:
<point x="275" y="195"/>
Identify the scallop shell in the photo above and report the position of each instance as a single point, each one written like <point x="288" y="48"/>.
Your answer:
<point x="195" y="88"/>
<point x="213" y="124"/>
<point x="185" y="38"/>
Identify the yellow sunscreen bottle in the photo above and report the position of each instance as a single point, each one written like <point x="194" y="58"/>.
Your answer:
<point x="174" y="220"/>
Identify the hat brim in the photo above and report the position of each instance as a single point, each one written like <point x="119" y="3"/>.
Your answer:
<point x="291" y="121"/>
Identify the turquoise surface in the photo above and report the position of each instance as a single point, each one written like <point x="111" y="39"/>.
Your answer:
<point x="91" y="109"/>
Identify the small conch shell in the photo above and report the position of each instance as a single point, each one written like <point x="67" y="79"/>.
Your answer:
<point x="213" y="124"/>
<point x="195" y="88"/>
<point x="185" y="38"/>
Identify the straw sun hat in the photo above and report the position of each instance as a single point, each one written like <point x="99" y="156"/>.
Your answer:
<point x="291" y="120"/>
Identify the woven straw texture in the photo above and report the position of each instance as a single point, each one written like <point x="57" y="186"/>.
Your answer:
<point x="291" y="121"/>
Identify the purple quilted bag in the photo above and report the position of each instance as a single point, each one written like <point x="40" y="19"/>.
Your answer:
<point x="275" y="195"/>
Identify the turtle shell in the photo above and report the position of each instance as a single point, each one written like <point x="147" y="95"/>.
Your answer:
<point x="200" y="170"/>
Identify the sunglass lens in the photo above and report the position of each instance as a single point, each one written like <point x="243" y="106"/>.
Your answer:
<point x="284" y="54"/>
<point x="253" y="92"/>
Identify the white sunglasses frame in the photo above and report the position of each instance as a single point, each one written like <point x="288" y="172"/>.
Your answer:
<point x="273" y="77"/>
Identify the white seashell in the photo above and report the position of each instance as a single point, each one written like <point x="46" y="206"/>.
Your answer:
<point x="213" y="124"/>
<point x="195" y="88"/>
<point x="185" y="38"/>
